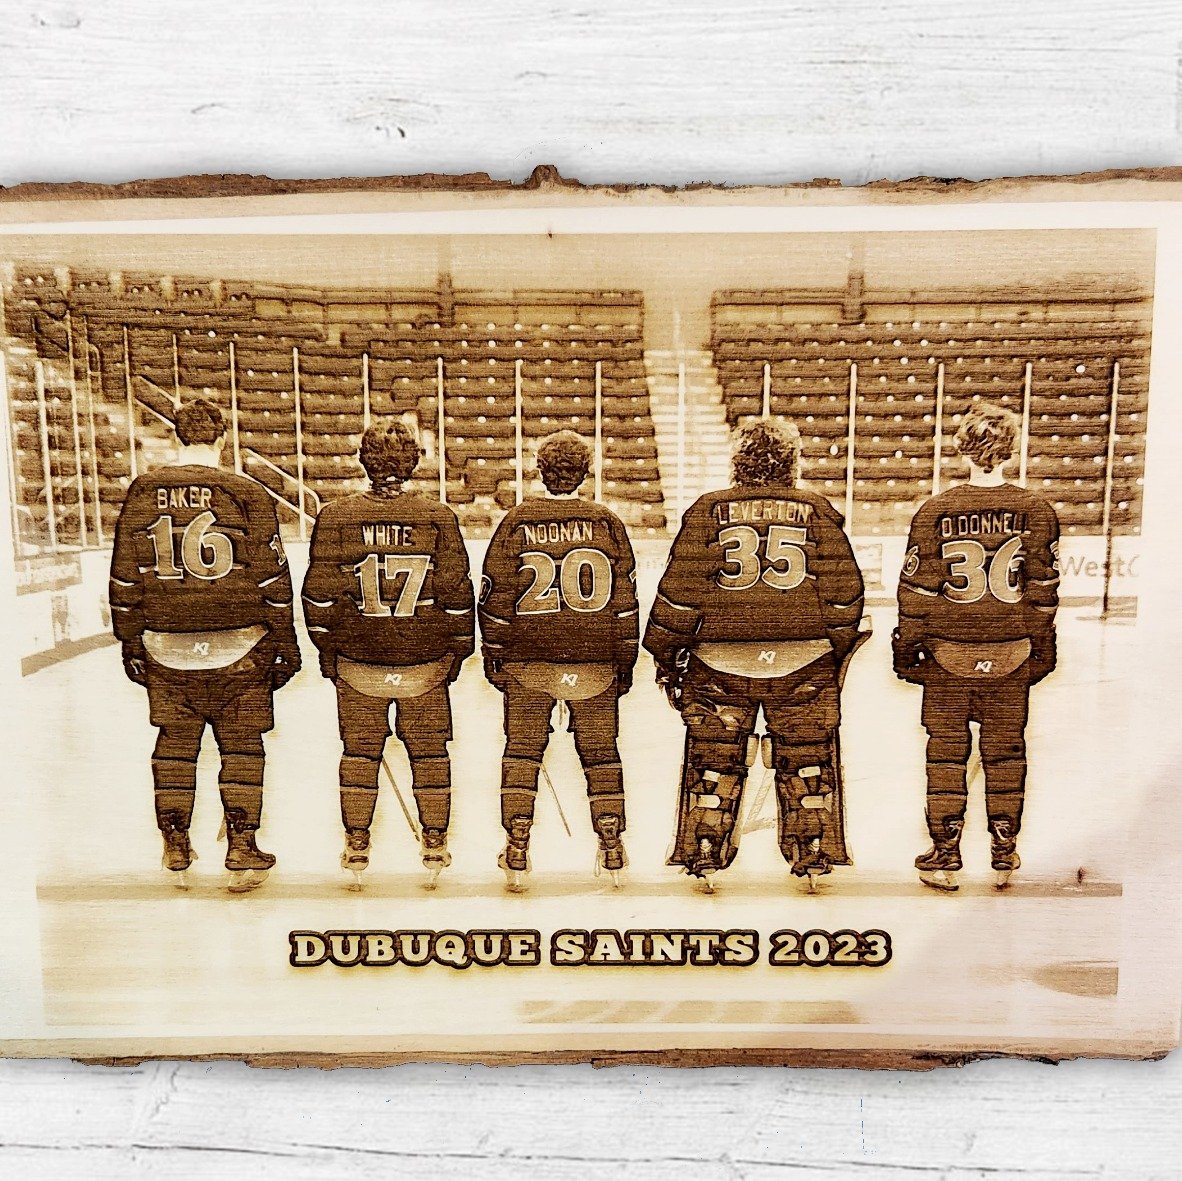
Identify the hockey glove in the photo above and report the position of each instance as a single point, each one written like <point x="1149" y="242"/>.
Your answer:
<point x="1043" y="657"/>
<point x="494" y="672"/>
<point x="911" y="659"/>
<point x="328" y="664"/>
<point x="623" y="679"/>
<point x="457" y="663"/>
<point x="285" y="664"/>
<point x="135" y="661"/>
<point x="670" y="675"/>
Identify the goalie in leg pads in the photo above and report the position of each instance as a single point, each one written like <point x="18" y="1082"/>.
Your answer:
<point x="759" y="608"/>
<point x="977" y="600"/>
<point x="560" y="622"/>
<point x="389" y="604"/>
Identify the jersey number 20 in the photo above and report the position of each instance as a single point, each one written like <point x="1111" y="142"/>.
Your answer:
<point x="787" y="563"/>
<point x="974" y="572"/>
<point x="582" y="582"/>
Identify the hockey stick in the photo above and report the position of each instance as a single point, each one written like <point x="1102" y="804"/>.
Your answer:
<point x="401" y="801"/>
<point x="557" y="801"/>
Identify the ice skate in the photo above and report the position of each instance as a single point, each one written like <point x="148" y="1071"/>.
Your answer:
<point x="247" y="863"/>
<point x="178" y="855"/>
<point x="610" y="855"/>
<point x="1004" y="850"/>
<point x="436" y="858"/>
<point x="812" y="864"/>
<point x="938" y="867"/>
<point x="514" y="858"/>
<point x="705" y="865"/>
<point x="355" y="857"/>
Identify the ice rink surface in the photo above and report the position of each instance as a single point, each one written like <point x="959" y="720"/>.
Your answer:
<point x="1042" y="957"/>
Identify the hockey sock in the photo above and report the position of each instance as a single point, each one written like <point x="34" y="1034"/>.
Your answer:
<point x="947" y="799"/>
<point x="605" y="793"/>
<point x="357" y="806"/>
<point x="174" y="808"/>
<point x="359" y="771"/>
<point x="519" y="789"/>
<point x="431" y="782"/>
<point x="245" y="799"/>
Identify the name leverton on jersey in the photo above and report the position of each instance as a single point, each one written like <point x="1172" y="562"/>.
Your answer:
<point x="541" y="532"/>
<point x="387" y="535"/>
<point x="794" y="512"/>
<point x="983" y="524"/>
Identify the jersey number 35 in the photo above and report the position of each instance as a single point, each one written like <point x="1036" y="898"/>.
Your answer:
<point x="783" y="565"/>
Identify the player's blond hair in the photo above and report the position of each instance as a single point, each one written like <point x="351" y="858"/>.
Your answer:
<point x="988" y="436"/>
<point x="766" y="452"/>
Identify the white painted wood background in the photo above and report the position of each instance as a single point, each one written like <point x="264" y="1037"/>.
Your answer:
<point x="609" y="90"/>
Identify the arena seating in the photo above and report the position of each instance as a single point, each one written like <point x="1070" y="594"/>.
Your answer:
<point x="984" y="347"/>
<point x="173" y="338"/>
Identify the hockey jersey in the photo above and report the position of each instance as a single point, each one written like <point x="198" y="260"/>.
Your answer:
<point x="388" y="581"/>
<point x="760" y="563"/>
<point x="559" y="585"/>
<point x="197" y="549"/>
<point x="982" y="566"/>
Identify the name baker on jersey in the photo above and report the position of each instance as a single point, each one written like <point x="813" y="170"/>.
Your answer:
<point x="189" y="496"/>
<point x="793" y="512"/>
<point x="983" y="524"/>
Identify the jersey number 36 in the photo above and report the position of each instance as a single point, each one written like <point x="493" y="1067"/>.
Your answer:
<point x="786" y="563"/>
<point x="974" y="572"/>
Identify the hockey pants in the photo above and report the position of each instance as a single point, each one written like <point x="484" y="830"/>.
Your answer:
<point x="236" y="702"/>
<point x="423" y="724"/>
<point x="1001" y="707"/>
<point x="594" y="722"/>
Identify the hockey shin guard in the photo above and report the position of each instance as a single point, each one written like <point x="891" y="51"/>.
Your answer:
<point x="519" y="791"/>
<point x="605" y="796"/>
<point x="946" y="803"/>
<point x="431" y="782"/>
<point x="357" y="806"/>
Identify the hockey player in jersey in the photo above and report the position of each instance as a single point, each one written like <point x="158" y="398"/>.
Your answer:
<point x="389" y="605"/>
<point x="201" y="600"/>
<point x="559" y="622"/>
<point x="759" y="606"/>
<point x="977" y="600"/>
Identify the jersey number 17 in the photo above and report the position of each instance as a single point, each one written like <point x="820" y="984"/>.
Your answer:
<point x="375" y="571"/>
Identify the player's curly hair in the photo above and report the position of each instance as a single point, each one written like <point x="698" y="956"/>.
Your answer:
<point x="988" y="435"/>
<point x="390" y="452"/>
<point x="564" y="459"/>
<point x="766" y="453"/>
<point x="199" y="422"/>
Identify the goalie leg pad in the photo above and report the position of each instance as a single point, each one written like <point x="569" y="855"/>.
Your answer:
<point x="806" y="793"/>
<point x="714" y="776"/>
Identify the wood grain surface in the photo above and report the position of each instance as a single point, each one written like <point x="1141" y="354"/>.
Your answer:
<point x="609" y="91"/>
